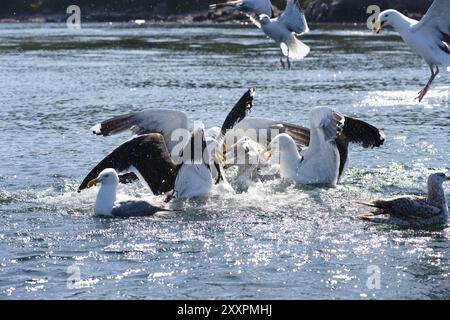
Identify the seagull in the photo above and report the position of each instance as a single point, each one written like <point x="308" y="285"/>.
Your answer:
<point x="254" y="140"/>
<point x="282" y="29"/>
<point x="412" y="211"/>
<point x="325" y="160"/>
<point x="429" y="38"/>
<point x="106" y="204"/>
<point x="246" y="145"/>
<point x="164" y="164"/>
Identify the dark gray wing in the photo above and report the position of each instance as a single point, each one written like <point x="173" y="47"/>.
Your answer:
<point x="162" y="121"/>
<point x="342" y="145"/>
<point x="354" y="131"/>
<point x="149" y="155"/>
<point x="129" y="177"/>
<point x="239" y="112"/>
<point x="357" y="131"/>
<point x="301" y="135"/>
<point x="143" y="122"/>
<point x="242" y="108"/>
<point x="128" y="209"/>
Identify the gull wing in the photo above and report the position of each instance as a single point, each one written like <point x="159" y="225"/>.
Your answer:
<point x="263" y="130"/>
<point x="293" y="18"/>
<point x="127" y="209"/>
<point x="327" y="123"/>
<point x="148" y="155"/>
<point x="436" y="21"/>
<point x="163" y="121"/>
<point x="242" y="108"/>
<point x="358" y="131"/>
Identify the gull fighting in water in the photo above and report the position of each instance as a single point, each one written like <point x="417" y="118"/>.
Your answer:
<point x="412" y="211"/>
<point x="428" y="38"/>
<point x="327" y="142"/>
<point x="325" y="160"/>
<point x="282" y="29"/>
<point x="152" y="156"/>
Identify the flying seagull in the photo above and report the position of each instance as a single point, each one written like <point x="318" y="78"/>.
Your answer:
<point x="428" y="38"/>
<point x="282" y="29"/>
<point x="412" y="211"/>
<point x="106" y="204"/>
<point x="152" y="155"/>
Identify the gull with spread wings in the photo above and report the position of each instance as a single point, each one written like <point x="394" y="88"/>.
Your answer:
<point x="283" y="29"/>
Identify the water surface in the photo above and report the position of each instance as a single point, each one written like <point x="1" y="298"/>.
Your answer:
<point x="275" y="241"/>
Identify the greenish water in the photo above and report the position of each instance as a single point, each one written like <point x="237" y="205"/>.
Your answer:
<point x="275" y="241"/>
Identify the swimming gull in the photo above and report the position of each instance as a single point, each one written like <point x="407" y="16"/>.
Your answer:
<point x="412" y="211"/>
<point x="324" y="161"/>
<point x="106" y="204"/>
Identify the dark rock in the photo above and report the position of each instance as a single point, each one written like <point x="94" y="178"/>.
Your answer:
<point x="355" y="10"/>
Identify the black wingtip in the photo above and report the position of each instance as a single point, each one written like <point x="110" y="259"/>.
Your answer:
<point x="363" y="133"/>
<point x="242" y="108"/>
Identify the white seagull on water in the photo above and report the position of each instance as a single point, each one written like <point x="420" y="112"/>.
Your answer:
<point x="327" y="140"/>
<point x="325" y="160"/>
<point x="106" y="204"/>
<point x="282" y="29"/>
<point x="428" y="38"/>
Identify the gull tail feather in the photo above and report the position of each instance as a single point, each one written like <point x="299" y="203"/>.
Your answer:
<point x="367" y="204"/>
<point x="295" y="49"/>
<point x="368" y="216"/>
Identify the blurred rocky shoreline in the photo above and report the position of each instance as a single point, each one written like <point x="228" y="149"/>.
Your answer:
<point x="341" y="11"/>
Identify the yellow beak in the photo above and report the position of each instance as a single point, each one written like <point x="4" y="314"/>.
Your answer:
<point x="377" y="27"/>
<point x="92" y="183"/>
<point x="224" y="152"/>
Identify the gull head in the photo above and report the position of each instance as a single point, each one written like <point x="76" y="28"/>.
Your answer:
<point x="106" y="177"/>
<point x="320" y="117"/>
<point x="264" y="19"/>
<point x="386" y="18"/>
<point x="437" y="179"/>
